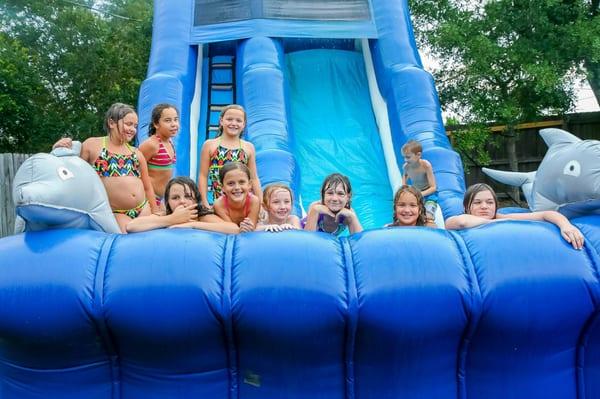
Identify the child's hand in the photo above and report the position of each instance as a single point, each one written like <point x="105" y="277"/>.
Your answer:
<point x="573" y="236"/>
<point x="275" y="228"/>
<point x="65" y="142"/>
<point x="184" y="214"/>
<point x="322" y="209"/>
<point x="344" y="216"/>
<point x="246" y="226"/>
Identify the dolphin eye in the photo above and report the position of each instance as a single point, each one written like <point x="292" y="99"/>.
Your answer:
<point x="572" y="168"/>
<point x="64" y="173"/>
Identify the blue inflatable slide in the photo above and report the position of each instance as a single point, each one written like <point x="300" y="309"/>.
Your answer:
<point x="507" y="310"/>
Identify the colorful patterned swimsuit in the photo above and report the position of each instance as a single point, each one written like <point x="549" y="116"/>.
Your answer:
<point x="109" y="164"/>
<point x="220" y="156"/>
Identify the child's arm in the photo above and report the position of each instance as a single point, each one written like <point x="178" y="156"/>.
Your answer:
<point x="294" y="221"/>
<point x="249" y="223"/>
<point x="203" y="176"/>
<point x="252" y="166"/>
<point x="211" y="223"/>
<point x="149" y="148"/>
<point x="430" y="178"/>
<point x="315" y="209"/>
<point x="221" y="211"/>
<point x="570" y="233"/>
<point x="404" y="175"/>
<point x="351" y="220"/>
<point x="465" y="221"/>
<point x="181" y="214"/>
<point x="148" y="189"/>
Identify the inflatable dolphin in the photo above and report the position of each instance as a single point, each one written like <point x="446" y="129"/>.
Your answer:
<point x="568" y="179"/>
<point x="61" y="190"/>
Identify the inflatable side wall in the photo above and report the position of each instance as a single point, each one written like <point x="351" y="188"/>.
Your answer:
<point x="412" y="312"/>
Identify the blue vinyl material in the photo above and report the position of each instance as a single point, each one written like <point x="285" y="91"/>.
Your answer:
<point x="401" y="312"/>
<point x="335" y="130"/>
<point x="507" y="310"/>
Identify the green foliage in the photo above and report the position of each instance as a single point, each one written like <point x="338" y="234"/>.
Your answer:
<point x="72" y="62"/>
<point x="507" y="61"/>
<point x="472" y="142"/>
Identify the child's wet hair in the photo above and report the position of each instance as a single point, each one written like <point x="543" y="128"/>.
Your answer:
<point x="334" y="180"/>
<point x="412" y="146"/>
<point x="228" y="167"/>
<point x="224" y="111"/>
<point x="475" y="189"/>
<point x="422" y="218"/>
<point x="115" y="113"/>
<point x="156" y="114"/>
<point x="188" y="184"/>
<point x="271" y="188"/>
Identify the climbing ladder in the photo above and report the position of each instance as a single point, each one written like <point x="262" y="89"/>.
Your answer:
<point x="221" y="90"/>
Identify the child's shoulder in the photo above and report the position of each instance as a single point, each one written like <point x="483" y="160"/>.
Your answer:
<point x="425" y="163"/>
<point x="247" y="145"/>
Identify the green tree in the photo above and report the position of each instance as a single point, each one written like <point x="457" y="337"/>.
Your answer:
<point x="83" y="59"/>
<point x="508" y="61"/>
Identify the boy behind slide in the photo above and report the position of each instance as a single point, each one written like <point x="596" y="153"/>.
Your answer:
<point x="420" y="174"/>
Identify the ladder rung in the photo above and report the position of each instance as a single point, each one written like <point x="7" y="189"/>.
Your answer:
<point x="222" y="86"/>
<point x="222" y="65"/>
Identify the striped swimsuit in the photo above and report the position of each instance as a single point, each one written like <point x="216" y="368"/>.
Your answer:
<point x="162" y="159"/>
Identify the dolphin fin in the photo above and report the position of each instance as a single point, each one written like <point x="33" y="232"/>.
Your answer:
<point x="516" y="179"/>
<point x="557" y="136"/>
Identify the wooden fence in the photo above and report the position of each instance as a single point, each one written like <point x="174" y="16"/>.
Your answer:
<point x="530" y="148"/>
<point x="9" y="163"/>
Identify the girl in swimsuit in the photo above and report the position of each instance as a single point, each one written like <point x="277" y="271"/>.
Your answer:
<point x="227" y="147"/>
<point x="480" y="203"/>
<point x="237" y="204"/>
<point x="121" y="167"/>
<point x="158" y="149"/>
<point x="183" y="209"/>
<point x="333" y="214"/>
<point x="409" y="209"/>
<point x="277" y="202"/>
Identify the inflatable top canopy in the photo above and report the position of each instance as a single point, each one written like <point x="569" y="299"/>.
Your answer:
<point x="508" y="310"/>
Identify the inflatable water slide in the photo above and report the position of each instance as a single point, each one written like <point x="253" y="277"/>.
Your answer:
<point x="507" y="310"/>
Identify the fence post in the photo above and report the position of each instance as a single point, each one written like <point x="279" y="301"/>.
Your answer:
<point x="9" y="163"/>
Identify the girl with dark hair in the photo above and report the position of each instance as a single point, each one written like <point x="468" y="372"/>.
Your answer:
<point x="333" y="214"/>
<point x="409" y="208"/>
<point x="159" y="150"/>
<point x="481" y="205"/>
<point x="183" y="209"/>
<point x="121" y="167"/>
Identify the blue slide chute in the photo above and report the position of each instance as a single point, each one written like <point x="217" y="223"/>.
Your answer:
<point x="335" y="131"/>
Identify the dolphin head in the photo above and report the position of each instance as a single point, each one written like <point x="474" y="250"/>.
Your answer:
<point x="61" y="191"/>
<point x="570" y="172"/>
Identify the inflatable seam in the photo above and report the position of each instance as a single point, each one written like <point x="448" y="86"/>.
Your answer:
<point x="473" y="312"/>
<point x="232" y="361"/>
<point x="351" y="315"/>
<point x="99" y="316"/>
<point x="591" y="322"/>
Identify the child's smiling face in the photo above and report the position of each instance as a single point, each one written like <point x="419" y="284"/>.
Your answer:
<point x="336" y="197"/>
<point x="233" y="122"/>
<point x="407" y="209"/>
<point x="280" y="206"/>
<point x="236" y="185"/>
